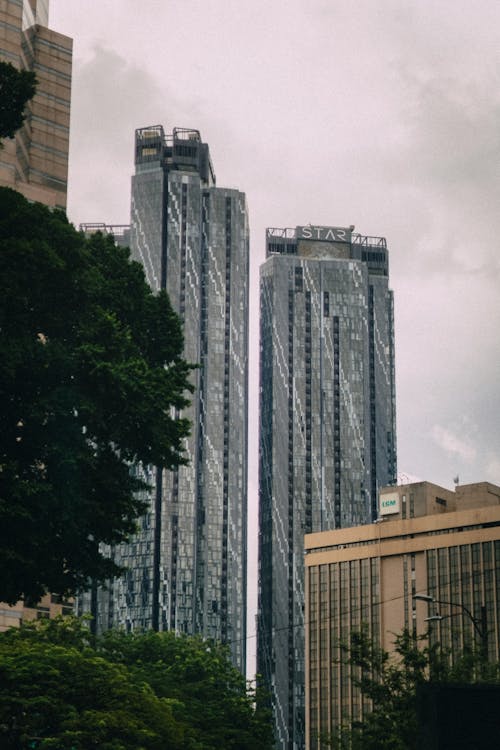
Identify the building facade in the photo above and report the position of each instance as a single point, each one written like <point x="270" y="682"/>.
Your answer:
<point x="51" y="605"/>
<point x="434" y="553"/>
<point x="187" y="565"/>
<point x="35" y="161"/>
<point x="327" y="427"/>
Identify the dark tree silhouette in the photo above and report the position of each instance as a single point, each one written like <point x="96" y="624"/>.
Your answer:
<point x="91" y="381"/>
<point x="17" y="87"/>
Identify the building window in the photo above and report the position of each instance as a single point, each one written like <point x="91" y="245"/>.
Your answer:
<point x="299" y="279"/>
<point x="326" y="304"/>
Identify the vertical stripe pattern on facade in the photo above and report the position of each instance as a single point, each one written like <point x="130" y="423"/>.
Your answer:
<point x="192" y="239"/>
<point x="327" y="431"/>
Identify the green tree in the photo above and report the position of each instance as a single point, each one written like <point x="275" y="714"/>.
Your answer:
<point x="64" y="688"/>
<point x="17" y="87"/>
<point x="212" y="696"/>
<point x="57" y="696"/>
<point x="91" y="381"/>
<point x="390" y="682"/>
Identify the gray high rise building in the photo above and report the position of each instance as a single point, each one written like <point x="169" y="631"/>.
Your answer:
<point x="327" y="427"/>
<point x="187" y="564"/>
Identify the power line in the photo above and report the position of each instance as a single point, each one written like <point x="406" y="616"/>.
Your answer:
<point x="466" y="579"/>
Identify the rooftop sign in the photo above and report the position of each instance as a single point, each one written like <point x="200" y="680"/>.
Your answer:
<point x="324" y="234"/>
<point x="389" y="504"/>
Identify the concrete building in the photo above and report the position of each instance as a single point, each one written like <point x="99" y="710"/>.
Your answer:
<point x="327" y="427"/>
<point x="35" y="161"/>
<point x="187" y="564"/>
<point x="50" y="605"/>
<point x="429" y="542"/>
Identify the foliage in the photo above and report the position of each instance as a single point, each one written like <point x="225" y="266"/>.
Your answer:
<point x="390" y="682"/>
<point x="60" y="684"/>
<point x="56" y="696"/>
<point x="212" y="696"/>
<point x="90" y="377"/>
<point x="17" y="87"/>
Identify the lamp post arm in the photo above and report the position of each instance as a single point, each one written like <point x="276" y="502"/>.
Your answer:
<point x="480" y="626"/>
<point x="467" y="611"/>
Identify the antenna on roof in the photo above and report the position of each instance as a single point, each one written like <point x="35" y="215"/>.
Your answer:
<point x="456" y="480"/>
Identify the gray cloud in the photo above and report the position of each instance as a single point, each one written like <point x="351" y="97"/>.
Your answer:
<point x="453" y="444"/>
<point x="104" y="113"/>
<point x="383" y="114"/>
<point x="112" y="97"/>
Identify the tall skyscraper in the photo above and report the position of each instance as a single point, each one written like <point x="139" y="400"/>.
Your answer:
<point x="35" y="162"/>
<point x="187" y="564"/>
<point x="327" y="427"/>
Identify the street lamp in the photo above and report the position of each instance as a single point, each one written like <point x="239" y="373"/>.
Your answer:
<point x="480" y="626"/>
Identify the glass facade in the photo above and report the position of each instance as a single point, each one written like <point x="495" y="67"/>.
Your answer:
<point x="327" y="428"/>
<point x="187" y="565"/>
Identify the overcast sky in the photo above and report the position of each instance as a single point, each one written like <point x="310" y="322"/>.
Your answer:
<point x="380" y="113"/>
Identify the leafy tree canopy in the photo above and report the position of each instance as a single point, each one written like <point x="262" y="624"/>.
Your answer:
<point x="58" y="696"/>
<point x="390" y="682"/>
<point x="212" y="696"/>
<point x="17" y="87"/>
<point x="60" y="687"/>
<point x="91" y="376"/>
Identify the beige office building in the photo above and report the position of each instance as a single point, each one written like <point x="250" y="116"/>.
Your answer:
<point x="50" y="606"/>
<point x="428" y="541"/>
<point x="35" y="162"/>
